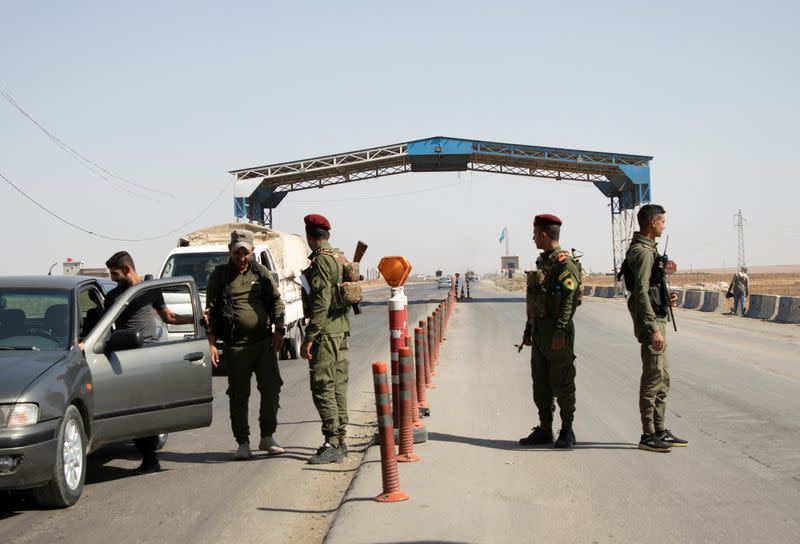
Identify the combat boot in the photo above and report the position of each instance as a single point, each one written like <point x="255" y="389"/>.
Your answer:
<point x="343" y="447"/>
<point x="326" y="454"/>
<point x="538" y="437"/>
<point x="651" y="442"/>
<point x="566" y="439"/>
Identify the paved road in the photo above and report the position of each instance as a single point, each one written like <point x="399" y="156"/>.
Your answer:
<point x="735" y="396"/>
<point x="205" y="496"/>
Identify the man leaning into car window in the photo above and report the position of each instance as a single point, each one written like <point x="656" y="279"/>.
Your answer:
<point x="139" y="316"/>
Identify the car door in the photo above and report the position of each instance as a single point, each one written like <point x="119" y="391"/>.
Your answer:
<point x="158" y="387"/>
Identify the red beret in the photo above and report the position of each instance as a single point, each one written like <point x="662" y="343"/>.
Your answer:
<point x="316" y="220"/>
<point x="544" y="219"/>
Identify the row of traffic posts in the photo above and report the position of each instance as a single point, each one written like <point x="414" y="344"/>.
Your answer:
<point x="400" y="409"/>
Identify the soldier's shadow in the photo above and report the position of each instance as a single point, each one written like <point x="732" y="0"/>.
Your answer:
<point x="514" y="444"/>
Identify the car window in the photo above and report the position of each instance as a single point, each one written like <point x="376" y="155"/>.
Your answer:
<point x="38" y="319"/>
<point x="90" y="309"/>
<point x="197" y="265"/>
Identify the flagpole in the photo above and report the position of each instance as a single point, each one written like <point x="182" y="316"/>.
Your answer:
<point x="507" y="250"/>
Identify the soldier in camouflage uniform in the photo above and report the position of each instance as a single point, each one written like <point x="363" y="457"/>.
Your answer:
<point x="552" y="296"/>
<point x="326" y="338"/>
<point x="649" y="310"/>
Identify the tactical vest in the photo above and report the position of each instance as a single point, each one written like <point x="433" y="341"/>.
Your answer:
<point x="544" y="289"/>
<point x="346" y="289"/>
<point x="659" y="300"/>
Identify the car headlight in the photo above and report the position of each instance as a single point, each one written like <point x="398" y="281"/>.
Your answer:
<point x="23" y="414"/>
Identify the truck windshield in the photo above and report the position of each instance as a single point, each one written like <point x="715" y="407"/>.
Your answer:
<point x="34" y="320"/>
<point x="197" y="265"/>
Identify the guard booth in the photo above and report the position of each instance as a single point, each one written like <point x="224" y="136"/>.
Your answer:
<point x="509" y="264"/>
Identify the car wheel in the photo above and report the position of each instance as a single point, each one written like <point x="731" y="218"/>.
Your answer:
<point x="161" y="440"/>
<point x="69" y="470"/>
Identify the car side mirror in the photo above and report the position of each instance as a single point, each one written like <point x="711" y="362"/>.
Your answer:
<point x="122" y="340"/>
<point x="148" y="277"/>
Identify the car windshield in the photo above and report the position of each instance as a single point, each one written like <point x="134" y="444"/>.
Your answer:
<point x="35" y="319"/>
<point x="197" y="265"/>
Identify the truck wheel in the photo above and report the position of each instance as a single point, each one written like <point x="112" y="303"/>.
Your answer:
<point x="291" y="344"/>
<point x="69" y="470"/>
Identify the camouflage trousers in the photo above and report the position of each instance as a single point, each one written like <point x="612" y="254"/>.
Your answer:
<point x="654" y="384"/>
<point x="328" y="377"/>
<point x="553" y="374"/>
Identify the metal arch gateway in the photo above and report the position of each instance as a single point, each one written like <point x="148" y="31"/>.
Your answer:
<point x="624" y="179"/>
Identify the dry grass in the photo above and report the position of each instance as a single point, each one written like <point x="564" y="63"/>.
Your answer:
<point x="767" y="283"/>
<point x="770" y="283"/>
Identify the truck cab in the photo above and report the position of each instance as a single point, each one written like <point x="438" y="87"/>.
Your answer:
<point x="284" y="255"/>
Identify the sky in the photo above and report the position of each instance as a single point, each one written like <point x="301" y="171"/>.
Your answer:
<point x="171" y="96"/>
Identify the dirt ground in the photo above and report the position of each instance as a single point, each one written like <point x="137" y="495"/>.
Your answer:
<point x="766" y="283"/>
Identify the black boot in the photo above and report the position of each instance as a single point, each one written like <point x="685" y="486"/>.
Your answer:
<point x="539" y="436"/>
<point x="566" y="439"/>
<point x="651" y="442"/>
<point x="326" y="454"/>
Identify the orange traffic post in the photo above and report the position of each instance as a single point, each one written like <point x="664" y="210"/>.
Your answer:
<point x="389" y="473"/>
<point x="395" y="271"/>
<point x="429" y="345"/>
<point x="423" y="324"/>
<point x="437" y="327"/>
<point x="406" y="454"/>
<point x="415" y="415"/>
<point x="419" y="364"/>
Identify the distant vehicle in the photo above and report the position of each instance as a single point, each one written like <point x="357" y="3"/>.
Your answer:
<point x="284" y="255"/>
<point x="444" y="282"/>
<point x="472" y="276"/>
<point x="59" y="403"/>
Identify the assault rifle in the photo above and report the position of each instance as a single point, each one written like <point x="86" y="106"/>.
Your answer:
<point x="361" y="248"/>
<point x="665" y="284"/>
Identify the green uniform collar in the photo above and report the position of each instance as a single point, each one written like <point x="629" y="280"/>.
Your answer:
<point x="638" y="238"/>
<point x="324" y="245"/>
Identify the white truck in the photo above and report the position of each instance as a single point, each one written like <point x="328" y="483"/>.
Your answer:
<point x="284" y="255"/>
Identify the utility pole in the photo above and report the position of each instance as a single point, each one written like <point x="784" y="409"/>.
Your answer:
<point x="738" y="226"/>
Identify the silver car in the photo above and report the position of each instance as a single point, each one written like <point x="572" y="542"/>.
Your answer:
<point x="59" y="403"/>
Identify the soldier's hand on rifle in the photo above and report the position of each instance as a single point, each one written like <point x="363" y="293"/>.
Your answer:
<point x="526" y="337"/>
<point x="673" y="299"/>
<point x="305" y="349"/>
<point x="657" y="340"/>
<point x="559" y="340"/>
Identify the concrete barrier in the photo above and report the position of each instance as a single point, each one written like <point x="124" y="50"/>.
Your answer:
<point x="598" y="291"/>
<point x="588" y="290"/>
<point x="710" y="301"/>
<point x="763" y="306"/>
<point x="692" y="299"/>
<point x="788" y="310"/>
<point x="605" y="292"/>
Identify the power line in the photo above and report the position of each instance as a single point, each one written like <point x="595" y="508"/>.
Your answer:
<point x="105" y="236"/>
<point x="87" y="163"/>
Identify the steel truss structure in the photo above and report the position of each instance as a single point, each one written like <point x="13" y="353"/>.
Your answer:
<point x="624" y="179"/>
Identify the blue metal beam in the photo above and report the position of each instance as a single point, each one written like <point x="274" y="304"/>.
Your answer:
<point x="619" y="176"/>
